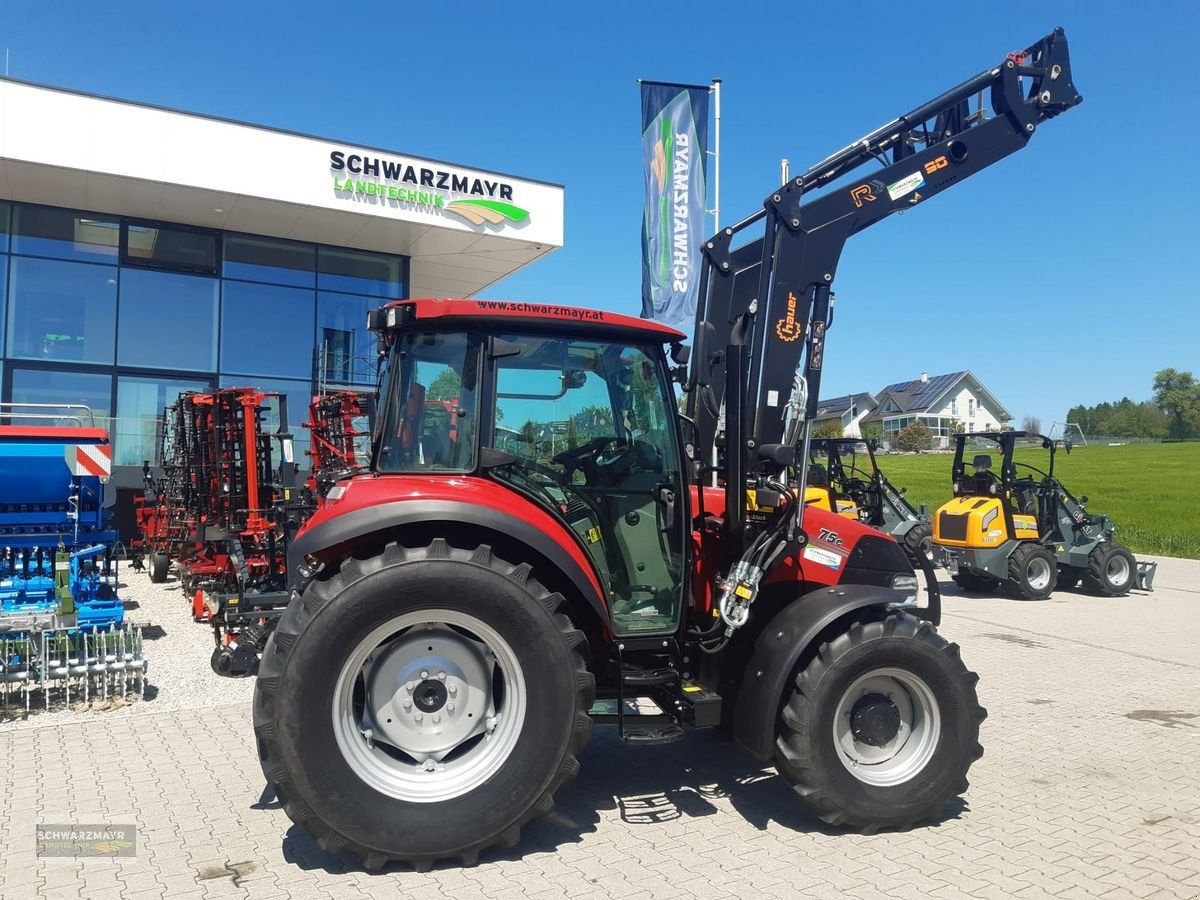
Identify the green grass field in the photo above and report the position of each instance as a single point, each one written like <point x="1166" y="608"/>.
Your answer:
<point x="1151" y="491"/>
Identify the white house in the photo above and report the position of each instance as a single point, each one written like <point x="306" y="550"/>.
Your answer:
<point x="849" y="410"/>
<point x="938" y="402"/>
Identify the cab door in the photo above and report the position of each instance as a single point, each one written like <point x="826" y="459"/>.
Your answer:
<point x="591" y="429"/>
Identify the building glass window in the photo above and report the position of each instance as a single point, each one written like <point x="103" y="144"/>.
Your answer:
<point x="275" y="262"/>
<point x="166" y="247"/>
<point x="360" y="272"/>
<point x="137" y="429"/>
<point x="63" y="233"/>
<point x="970" y="406"/>
<point x="3" y="296"/>
<point x="954" y="407"/>
<point x="167" y="320"/>
<point x="62" y="311"/>
<point x="266" y="330"/>
<point x="347" y="349"/>
<point x="46" y="387"/>
<point x="4" y="213"/>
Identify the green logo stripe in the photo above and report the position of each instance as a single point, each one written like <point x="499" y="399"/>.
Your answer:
<point x="507" y="210"/>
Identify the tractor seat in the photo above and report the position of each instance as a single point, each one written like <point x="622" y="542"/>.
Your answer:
<point x="817" y="476"/>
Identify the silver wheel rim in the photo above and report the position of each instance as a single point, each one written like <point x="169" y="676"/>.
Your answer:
<point x="916" y="736"/>
<point x="1038" y="574"/>
<point x="1117" y="569"/>
<point x="429" y="705"/>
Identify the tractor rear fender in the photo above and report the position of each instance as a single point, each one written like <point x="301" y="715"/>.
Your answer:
<point x="789" y="640"/>
<point x="380" y="523"/>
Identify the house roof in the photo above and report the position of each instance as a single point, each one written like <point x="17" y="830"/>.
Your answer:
<point x="918" y="396"/>
<point x="836" y="406"/>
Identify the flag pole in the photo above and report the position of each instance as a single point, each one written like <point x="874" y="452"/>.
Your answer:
<point x="716" y="154"/>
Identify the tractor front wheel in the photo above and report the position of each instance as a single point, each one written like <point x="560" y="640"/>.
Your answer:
<point x="422" y="704"/>
<point x="1032" y="572"/>
<point x="881" y="726"/>
<point x="1111" y="571"/>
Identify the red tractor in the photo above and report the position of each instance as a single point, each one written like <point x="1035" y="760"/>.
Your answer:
<point x="462" y="613"/>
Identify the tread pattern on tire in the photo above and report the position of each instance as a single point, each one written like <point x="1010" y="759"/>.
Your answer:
<point x="913" y="538"/>
<point x="328" y="584"/>
<point x="1094" y="576"/>
<point x="794" y="754"/>
<point x="1019" y="562"/>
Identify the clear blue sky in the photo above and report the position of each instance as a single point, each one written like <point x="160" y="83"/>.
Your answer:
<point x="1065" y="274"/>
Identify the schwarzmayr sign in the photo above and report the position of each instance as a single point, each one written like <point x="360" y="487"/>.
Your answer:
<point x="360" y="175"/>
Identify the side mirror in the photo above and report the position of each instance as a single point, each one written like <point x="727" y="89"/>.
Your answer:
<point x="680" y="354"/>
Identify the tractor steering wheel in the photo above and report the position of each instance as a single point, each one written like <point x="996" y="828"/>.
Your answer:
<point x="598" y="464"/>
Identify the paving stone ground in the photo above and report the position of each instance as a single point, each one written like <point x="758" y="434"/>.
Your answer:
<point x="1090" y="787"/>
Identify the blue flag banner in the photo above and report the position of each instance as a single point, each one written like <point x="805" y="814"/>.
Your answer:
<point x="674" y="156"/>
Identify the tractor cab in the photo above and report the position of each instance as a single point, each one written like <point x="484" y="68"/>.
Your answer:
<point x="581" y="424"/>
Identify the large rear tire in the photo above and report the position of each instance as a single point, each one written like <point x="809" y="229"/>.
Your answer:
<point x="422" y="704"/>
<point x="1111" y="571"/>
<point x="881" y="726"/>
<point x="1032" y="572"/>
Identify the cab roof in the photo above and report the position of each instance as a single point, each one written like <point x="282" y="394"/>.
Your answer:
<point x="537" y="313"/>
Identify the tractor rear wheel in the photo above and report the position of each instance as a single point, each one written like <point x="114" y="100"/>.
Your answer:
<point x="881" y="726"/>
<point x="1032" y="572"/>
<point x="976" y="584"/>
<point x="422" y="704"/>
<point x="1111" y="571"/>
<point x="160" y="563"/>
<point x="918" y="541"/>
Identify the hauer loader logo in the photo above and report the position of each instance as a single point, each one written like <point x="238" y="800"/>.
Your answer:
<point x="401" y="184"/>
<point x="788" y="329"/>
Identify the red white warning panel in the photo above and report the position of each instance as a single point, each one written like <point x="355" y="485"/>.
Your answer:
<point x="90" y="459"/>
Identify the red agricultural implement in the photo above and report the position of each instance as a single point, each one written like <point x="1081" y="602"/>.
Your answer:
<point x="337" y="450"/>
<point x="223" y="512"/>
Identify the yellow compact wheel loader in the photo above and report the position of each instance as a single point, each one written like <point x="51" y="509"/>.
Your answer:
<point x="1027" y="534"/>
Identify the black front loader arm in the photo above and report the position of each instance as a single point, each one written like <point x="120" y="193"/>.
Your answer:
<point x="764" y="307"/>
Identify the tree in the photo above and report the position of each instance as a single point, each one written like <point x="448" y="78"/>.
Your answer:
<point x="915" y="437"/>
<point x="830" y="428"/>
<point x="956" y="427"/>
<point x="447" y="386"/>
<point x="871" y="431"/>
<point x="1178" y="395"/>
<point x="1032" y="424"/>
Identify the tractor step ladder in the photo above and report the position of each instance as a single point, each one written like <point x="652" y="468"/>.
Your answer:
<point x="660" y="679"/>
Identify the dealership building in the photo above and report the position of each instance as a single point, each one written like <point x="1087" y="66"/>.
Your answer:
<point x="145" y="251"/>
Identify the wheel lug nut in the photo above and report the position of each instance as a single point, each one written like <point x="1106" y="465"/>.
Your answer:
<point x="424" y="674"/>
<point x="436" y="719"/>
<point x="449" y="707"/>
<point x="441" y="676"/>
<point x="453" y="690"/>
<point x="418" y="718"/>
<point x="430" y="765"/>
<point x="411" y="686"/>
<point x="407" y="705"/>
